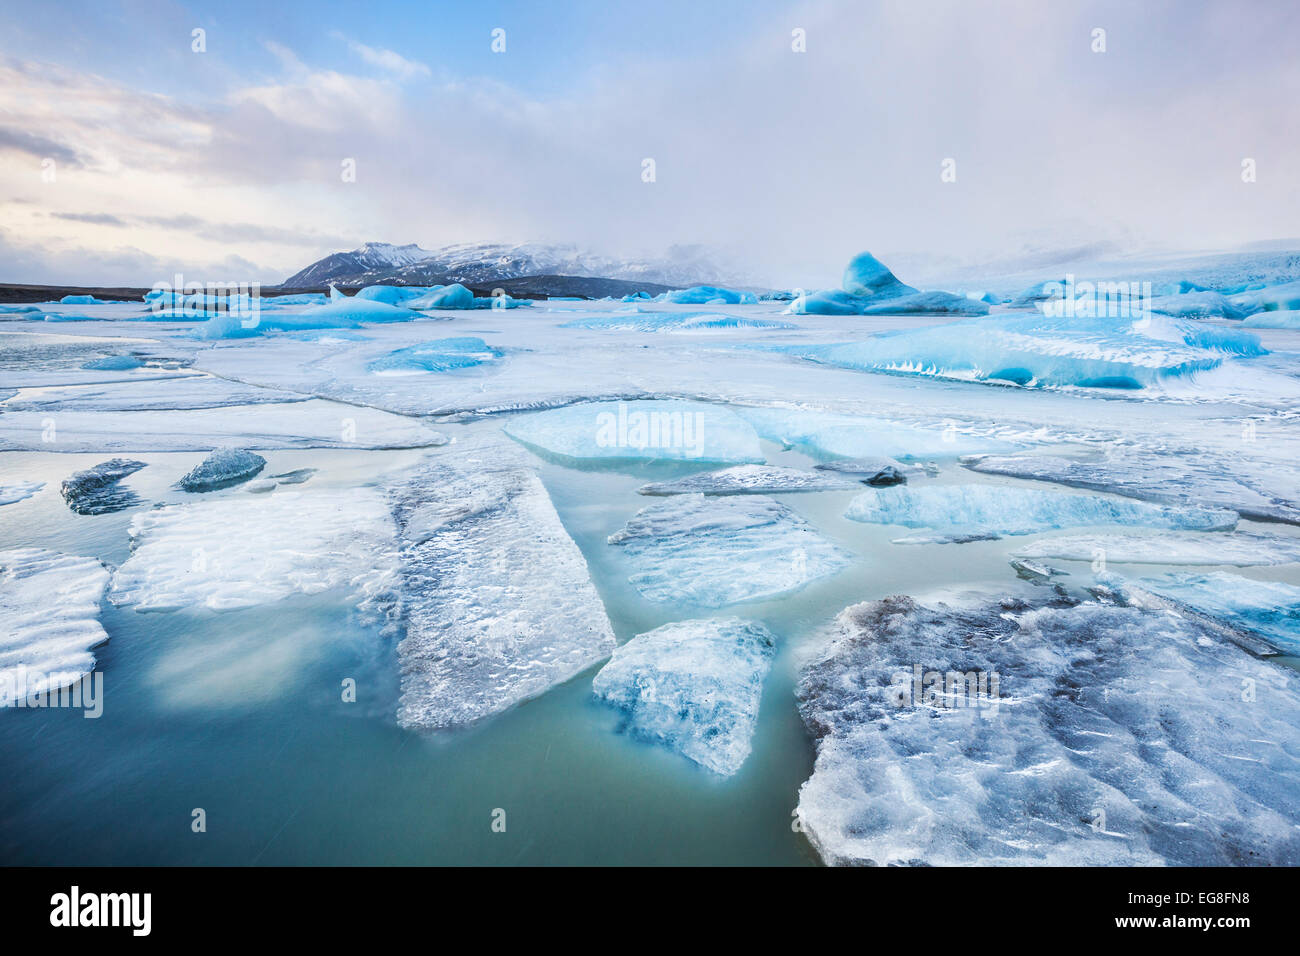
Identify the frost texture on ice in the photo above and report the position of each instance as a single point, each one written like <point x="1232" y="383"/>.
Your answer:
<point x="49" y="620"/>
<point x="640" y="431"/>
<point x="1039" y="350"/>
<point x="1268" y="607"/>
<point x="499" y="604"/>
<point x="18" y="491"/>
<point x="995" y="509"/>
<point x="712" y="552"/>
<point x="438" y="355"/>
<point x="693" y="687"/>
<point x="1238" y="549"/>
<point x="750" y="480"/>
<point x="247" y="550"/>
<point x="221" y="469"/>
<point x="1165" y="479"/>
<point x="96" y="491"/>
<point x="1119" y="737"/>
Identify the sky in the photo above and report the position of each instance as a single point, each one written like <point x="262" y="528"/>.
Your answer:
<point x="937" y="134"/>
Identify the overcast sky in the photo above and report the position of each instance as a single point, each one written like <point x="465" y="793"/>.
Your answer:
<point x="227" y="164"/>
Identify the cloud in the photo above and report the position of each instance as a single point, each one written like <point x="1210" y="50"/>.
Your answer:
<point x="387" y="60"/>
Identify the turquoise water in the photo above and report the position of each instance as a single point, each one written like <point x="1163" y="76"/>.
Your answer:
<point x="241" y="713"/>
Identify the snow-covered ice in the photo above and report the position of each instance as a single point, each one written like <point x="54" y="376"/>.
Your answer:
<point x="715" y="551"/>
<point x="693" y="687"/>
<point x="1239" y="549"/>
<point x="875" y="470"/>
<point x="499" y="605"/>
<point x="18" y="491"/>
<point x="49" y="620"/>
<point x="750" y="480"/>
<point x="1114" y="736"/>
<point x="997" y="509"/>
<point x="1270" y="607"/>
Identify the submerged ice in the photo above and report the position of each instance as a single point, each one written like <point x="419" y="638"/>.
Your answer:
<point x="693" y="687"/>
<point x="750" y="480"/>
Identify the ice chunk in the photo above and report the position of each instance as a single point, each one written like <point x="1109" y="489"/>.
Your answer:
<point x="297" y="477"/>
<point x="640" y="431"/>
<point x="221" y="469"/>
<point x="439" y="355"/>
<point x="247" y="550"/>
<point x="1178" y="480"/>
<point x="749" y="480"/>
<point x="1113" y="735"/>
<point x="82" y="300"/>
<point x="676" y="322"/>
<point x="1197" y="305"/>
<point x="393" y="294"/>
<point x="95" y="491"/>
<point x="454" y="296"/>
<point x="876" y="471"/>
<point x="114" y="363"/>
<point x="1274" y="298"/>
<point x="1237" y="550"/>
<point x="709" y="295"/>
<point x="847" y="436"/>
<point x="865" y="275"/>
<point x="712" y="552"/>
<point x="188" y="392"/>
<point x="1038" y="350"/>
<point x="839" y="302"/>
<point x="995" y="509"/>
<point x="499" y="603"/>
<point x="49" y="621"/>
<point x="693" y="687"/>
<point x="1035" y="573"/>
<point x="1271" y="608"/>
<point x="1287" y="319"/>
<point x="18" y="490"/>
<point x="341" y="313"/>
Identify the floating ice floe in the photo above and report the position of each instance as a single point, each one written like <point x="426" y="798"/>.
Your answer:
<point x="829" y="435"/>
<point x="439" y="355"/>
<point x="639" y="431"/>
<point x="188" y="392"/>
<point x="1271" y="608"/>
<point x="248" y="550"/>
<point x="693" y="687"/>
<point x="297" y="477"/>
<point x="1003" y="733"/>
<point x="393" y="294"/>
<point x="876" y="471"/>
<point x="994" y="509"/>
<point x="82" y="300"/>
<point x="454" y="296"/>
<point x="750" y="480"/>
<point x="114" y="363"/>
<point x="1238" y="549"/>
<point x="1178" y="480"/>
<point x="712" y="552"/>
<point x="49" y="620"/>
<point x="869" y="288"/>
<point x="96" y="491"/>
<point x="1051" y="351"/>
<point x="341" y="313"/>
<point x="1287" y="319"/>
<point x="1274" y="298"/>
<point x="1197" y="305"/>
<point x="499" y="604"/>
<point x="674" y="322"/>
<point x="18" y="491"/>
<point x="221" y="469"/>
<point x="709" y="295"/>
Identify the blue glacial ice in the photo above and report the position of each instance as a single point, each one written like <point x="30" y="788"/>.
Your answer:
<point x="708" y="295"/>
<point x="680" y="322"/>
<point x="82" y="300"/>
<point x="1114" y="736"/>
<point x="497" y="599"/>
<point x="343" y="313"/>
<point x="639" y="431"/>
<point x="1273" y="298"/>
<point x="1197" y="305"/>
<point x="221" y="469"/>
<point x="454" y="296"/>
<point x="438" y="355"/>
<point x="693" y="687"/>
<point x="998" y="510"/>
<point x="393" y="294"/>
<point x="1053" y="351"/>
<point x="1286" y="319"/>
<point x="715" y="551"/>
<point x="114" y="363"/>
<point x="869" y="288"/>
<point x="1271" y="608"/>
<point x="49" y="621"/>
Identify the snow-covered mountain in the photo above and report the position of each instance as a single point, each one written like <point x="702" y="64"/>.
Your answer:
<point x="476" y="263"/>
